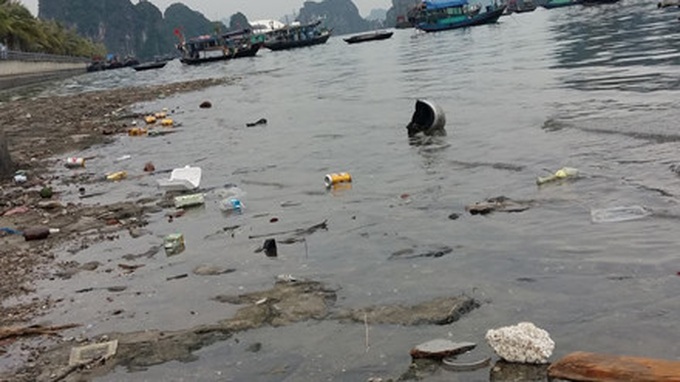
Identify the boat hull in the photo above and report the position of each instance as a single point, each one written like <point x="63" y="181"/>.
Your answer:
<point x="489" y="17"/>
<point x="250" y="52"/>
<point x="149" y="66"/>
<point x="283" y="45"/>
<point x="549" y="5"/>
<point x="368" y="37"/>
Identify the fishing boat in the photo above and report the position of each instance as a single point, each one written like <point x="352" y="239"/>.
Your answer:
<point x="598" y="2"/>
<point x="297" y="35"/>
<point x="520" y="6"/>
<point x="550" y="4"/>
<point x="150" y="65"/>
<point x="370" y="36"/>
<point x="210" y="48"/>
<point x="440" y="15"/>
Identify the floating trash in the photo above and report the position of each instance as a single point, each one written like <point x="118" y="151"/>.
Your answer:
<point x="189" y="200"/>
<point x="563" y="173"/>
<point x="335" y="178"/>
<point x="618" y="214"/>
<point x="174" y="244"/>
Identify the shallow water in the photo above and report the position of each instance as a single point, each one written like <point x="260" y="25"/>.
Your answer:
<point x="591" y="88"/>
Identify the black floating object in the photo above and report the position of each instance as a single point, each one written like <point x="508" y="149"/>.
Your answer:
<point x="269" y="247"/>
<point x="261" y="121"/>
<point x="428" y="118"/>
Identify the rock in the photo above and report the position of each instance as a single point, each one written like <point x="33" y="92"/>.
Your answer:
<point x="523" y="343"/>
<point x="90" y="266"/>
<point x="46" y="192"/>
<point x="211" y="270"/>
<point x="505" y="371"/>
<point x="583" y="366"/>
<point x="205" y="105"/>
<point x="269" y="247"/>
<point x="441" y="348"/>
<point x="50" y="205"/>
<point x="149" y="167"/>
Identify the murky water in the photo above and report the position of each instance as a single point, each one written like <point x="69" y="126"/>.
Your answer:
<point x="592" y="88"/>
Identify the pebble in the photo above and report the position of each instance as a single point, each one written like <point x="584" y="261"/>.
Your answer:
<point x="441" y="348"/>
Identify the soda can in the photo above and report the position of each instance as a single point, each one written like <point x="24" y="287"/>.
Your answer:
<point x="335" y="178"/>
<point x="116" y="176"/>
<point x="74" y="162"/>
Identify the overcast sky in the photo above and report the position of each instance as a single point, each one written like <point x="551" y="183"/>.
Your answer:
<point x="253" y="9"/>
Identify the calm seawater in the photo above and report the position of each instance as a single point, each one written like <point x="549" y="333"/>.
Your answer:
<point x="586" y="87"/>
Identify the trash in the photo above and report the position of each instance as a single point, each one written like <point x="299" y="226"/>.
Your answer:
<point x="335" y="178"/>
<point x="160" y="115"/>
<point x="20" y="177"/>
<point x="189" y="200"/>
<point x="46" y="192"/>
<point x="36" y="233"/>
<point x="458" y="365"/>
<point x="428" y="119"/>
<point x="584" y="366"/>
<point x="11" y="231"/>
<point x="124" y="157"/>
<point x="211" y="270"/>
<point x="91" y="353"/>
<point x="137" y="132"/>
<point x="232" y="204"/>
<point x="167" y="122"/>
<point x="74" y="162"/>
<point x="181" y="179"/>
<point x="261" y="121"/>
<point x="17" y="211"/>
<point x="441" y="348"/>
<point x="523" y="343"/>
<point x="116" y="176"/>
<point x="499" y="203"/>
<point x="563" y="173"/>
<point x="286" y="278"/>
<point x="274" y="220"/>
<point x="618" y="214"/>
<point x="269" y="247"/>
<point x="33" y="330"/>
<point x="182" y="276"/>
<point x="149" y="167"/>
<point x="205" y="105"/>
<point x="150" y="119"/>
<point x="174" y="244"/>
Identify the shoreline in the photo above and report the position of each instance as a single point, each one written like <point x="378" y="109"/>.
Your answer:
<point x="37" y="130"/>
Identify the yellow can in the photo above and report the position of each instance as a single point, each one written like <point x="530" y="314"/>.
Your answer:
<point x="149" y="119"/>
<point x="167" y="122"/>
<point x="335" y="178"/>
<point x="161" y="115"/>
<point x="137" y="132"/>
<point x="116" y="176"/>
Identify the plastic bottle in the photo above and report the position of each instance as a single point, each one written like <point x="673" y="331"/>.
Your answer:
<point x="563" y="173"/>
<point x="189" y="200"/>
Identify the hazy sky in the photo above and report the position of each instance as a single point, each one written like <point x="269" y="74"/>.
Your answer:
<point x="253" y="9"/>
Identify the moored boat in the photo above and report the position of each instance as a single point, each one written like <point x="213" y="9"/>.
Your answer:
<point x="440" y="15"/>
<point x="370" y="36"/>
<point x="550" y="4"/>
<point x="520" y="6"/>
<point x="210" y="48"/>
<point x="297" y="35"/>
<point x="150" y="65"/>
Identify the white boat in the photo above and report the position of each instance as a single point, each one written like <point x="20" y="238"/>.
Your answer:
<point x="182" y="179"/>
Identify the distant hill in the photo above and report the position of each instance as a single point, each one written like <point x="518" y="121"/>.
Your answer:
<point x="341" y="15"/>
<point x="377" y="15"/>
<point x="140" y="30"/>
<point x="398" y="12"/>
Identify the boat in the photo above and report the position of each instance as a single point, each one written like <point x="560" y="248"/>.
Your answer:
<point x="440" y="15"/>
<point x="210" y="48"/>
<point x="297" y="35"/>
<point x="110" y="62"/>
<point x="150" y="65"/>
<point x="598" y="2"/>
<point x="520" y="6"/>
<point x="370" y="36"/>
<point x="560" y="3"/>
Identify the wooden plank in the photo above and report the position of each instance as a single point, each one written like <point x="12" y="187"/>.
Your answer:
<point x="586" y="367"/>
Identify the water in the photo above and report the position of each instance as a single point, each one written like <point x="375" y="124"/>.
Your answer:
<point x="591" y="88"/>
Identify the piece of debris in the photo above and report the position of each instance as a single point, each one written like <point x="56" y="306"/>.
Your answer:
<point x="149" y="167"/>
<point x="205" y="105"/>
<point x="174" y="244"/>
<point x="33" y="330"/>
<point x="563" y="173"/>
<point x="441" y="348"/>
<point x="130" y="268"/>
<point x="269" y="247"/>
<point x="182" y="276"/>
<point x="454" y="364"/>
<point x="211" y="270"/>
<point x="497" y="204"/>
<point x="523" y="343"/>
<point x="89" y="353"/>
<point x="261" y="121"/>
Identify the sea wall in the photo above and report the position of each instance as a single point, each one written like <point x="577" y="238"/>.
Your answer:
<point x="20" y="69"/>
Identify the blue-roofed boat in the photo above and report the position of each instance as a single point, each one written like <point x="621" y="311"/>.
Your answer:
<point x="550" y="4"/>
<point x="439" y="15"/>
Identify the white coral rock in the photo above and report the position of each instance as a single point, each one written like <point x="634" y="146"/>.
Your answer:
<point x="523" y="343"/>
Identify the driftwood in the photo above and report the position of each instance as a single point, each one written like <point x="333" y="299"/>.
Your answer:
<point x="583" y="366"/>
<point x="34" y="330"/>
<point x="6" y="164"/>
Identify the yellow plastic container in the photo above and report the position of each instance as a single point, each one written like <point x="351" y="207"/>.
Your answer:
<point x="335" y="178"/>
<point x="116" y="176"/>
<point x="167" y="122"/>
<point x="137" y="132"/>
<point x="149" y="119"/>
<point x="161" y="115"/>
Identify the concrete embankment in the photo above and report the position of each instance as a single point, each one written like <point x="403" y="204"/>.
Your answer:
<point x="19" y="69"/>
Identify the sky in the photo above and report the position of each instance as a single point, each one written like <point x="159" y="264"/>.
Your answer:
<point x="253" y="9"/>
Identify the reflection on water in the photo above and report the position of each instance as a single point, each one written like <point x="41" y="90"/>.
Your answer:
<point x="613" y="47"/>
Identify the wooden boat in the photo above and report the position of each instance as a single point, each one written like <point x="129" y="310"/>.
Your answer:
<point x="598" y="2"/>
<point x="371" y="36"/>
<point x="297" y="35"/>
<point x="150" y="65"/>
<point x="210" y="48"/>
<point x="440" y="15"/>
<point x="520" y="6"/>
<point x="560" y="3"/>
